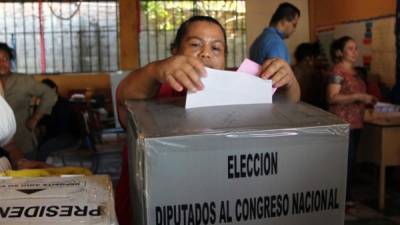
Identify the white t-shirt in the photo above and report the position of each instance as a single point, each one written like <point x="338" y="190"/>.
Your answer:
<point x="7" y="122"/>
<point x="7" y="130"/>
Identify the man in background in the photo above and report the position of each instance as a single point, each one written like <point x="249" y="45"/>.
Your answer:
<point x="311" y="78"/>
<point x="270" y="43"/>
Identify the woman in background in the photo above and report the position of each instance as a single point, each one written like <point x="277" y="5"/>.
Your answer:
<point x="347" y="98"/>
<point x="18" y="92"/>
<point x="10" y="156"/>
<point x="309" y="76"/>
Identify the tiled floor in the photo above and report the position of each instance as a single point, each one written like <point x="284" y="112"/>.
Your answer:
<point x="106" y="160"/>
<point x="365" y="193"/>
<point x="109" y="155"/>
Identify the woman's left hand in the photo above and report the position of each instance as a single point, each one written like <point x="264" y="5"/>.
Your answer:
<point x="278" y="71"/>
<point x="282" y="77"/>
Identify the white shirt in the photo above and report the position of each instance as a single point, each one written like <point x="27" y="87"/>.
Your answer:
<point x="7" y="122"/>
<point x="7" y="130"/>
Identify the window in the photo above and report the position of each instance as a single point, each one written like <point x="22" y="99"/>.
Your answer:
<point x="160" y="20"/>
<point x="75" y="36"/>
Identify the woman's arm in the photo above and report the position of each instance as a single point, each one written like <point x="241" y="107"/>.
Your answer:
<point x="335" y="97"/>
<point x="291" y="91"/>
<point x="47" y="97"/>
<point x="139" y="84"/>
<point x="19" y="162"/>
<point x="180" y="72"/>
<point x="282" y="77"/>
<point x="14" y="152"/>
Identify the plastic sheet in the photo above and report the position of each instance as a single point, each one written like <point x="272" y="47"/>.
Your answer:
<point x="232" y="164"/>
<point x="57" y="200"/>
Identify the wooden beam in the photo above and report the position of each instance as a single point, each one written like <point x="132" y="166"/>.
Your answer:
<point x="129" y="16"/>
<point x="328" y="12"/>
<point x="311" y="17"/>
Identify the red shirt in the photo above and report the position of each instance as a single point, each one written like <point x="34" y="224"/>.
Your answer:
<point x="167" y="91"/>
<point x="351" y="83"/>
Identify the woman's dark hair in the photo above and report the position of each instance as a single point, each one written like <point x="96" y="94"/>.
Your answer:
<point x="338" y="45"/>
<point x="8" y="50"/>
<point x="183" y="28"/>
<point x="305" y="50"/>
<point x="285" y="11"/>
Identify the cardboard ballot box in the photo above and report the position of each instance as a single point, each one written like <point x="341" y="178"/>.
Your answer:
<point x="57" y="200"/>
<point x="278" y="164"/>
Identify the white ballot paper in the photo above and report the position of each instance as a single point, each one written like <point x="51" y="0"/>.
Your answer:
<point x="223" y="87"/>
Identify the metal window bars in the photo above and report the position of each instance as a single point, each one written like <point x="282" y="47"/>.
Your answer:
<point x="77" y="36"/>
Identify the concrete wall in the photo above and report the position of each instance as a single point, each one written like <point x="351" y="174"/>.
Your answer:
<point x="328" y="12"/>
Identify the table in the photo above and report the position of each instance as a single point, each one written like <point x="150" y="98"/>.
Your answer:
<point x="380" y="144"/>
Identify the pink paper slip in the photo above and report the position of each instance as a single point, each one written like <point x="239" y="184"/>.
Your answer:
<point x="251" y="67"/>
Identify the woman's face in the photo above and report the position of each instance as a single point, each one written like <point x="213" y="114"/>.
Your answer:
<point x="5" y="63"/>
<point x="205" y="41"/>
<point x="350" y="52"/>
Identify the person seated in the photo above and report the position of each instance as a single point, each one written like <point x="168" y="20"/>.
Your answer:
<point x="10" y="156"/>
<point x="18" y="92"/>
<point x="200" y="42"/>
<point x="61" y="127"/>
<point x="347" y="98"/>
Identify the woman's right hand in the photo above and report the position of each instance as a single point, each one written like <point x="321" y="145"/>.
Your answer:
<point x="181" y="72"/>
